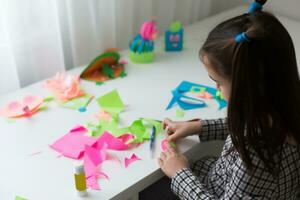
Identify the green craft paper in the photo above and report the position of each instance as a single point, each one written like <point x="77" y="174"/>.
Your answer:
<point x="108" y="71"/>
<point x="111" y="102"/>
<point x="144" y="57"/>
<point x="99" y="83"/>
<point x="77" y="102"/>
<point x="157" y="124"/>
<point x="179" y="113"/>
<point x="219" y="94"/>
<point x="47" y="99"/>
<point x="138" y="129"/>
<point x="175" y="26"/>
<point x="123" y="74"/>
<point x="42" y="108"/>
<point x="196" y="89"/>
<point x="19" y="198"/>
<point x="104" y="125"/>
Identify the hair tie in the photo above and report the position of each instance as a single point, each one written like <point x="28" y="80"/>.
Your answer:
<point x="242" y="37"/>
<point x="254" y="6"/>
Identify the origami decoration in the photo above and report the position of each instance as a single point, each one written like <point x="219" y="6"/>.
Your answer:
<point x="104" y="67"/>
<point x="174" y="37"/>
<point x="64" y="87"/>
<point x="188" y="103"/>
<point x="142" y="46"/>
<point x="27" y="107"/>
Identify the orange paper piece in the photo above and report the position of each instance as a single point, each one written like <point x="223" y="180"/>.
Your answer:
<point x="64" y="87"/>
<point x="27" y="107"/>
<point x="205" y="95"/>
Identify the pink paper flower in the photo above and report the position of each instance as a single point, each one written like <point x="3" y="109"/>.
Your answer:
<point x="64" y="87"/>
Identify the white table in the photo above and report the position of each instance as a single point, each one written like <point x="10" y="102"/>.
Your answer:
<point x="146" y="90"/>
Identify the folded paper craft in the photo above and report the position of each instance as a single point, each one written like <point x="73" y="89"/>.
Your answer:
<point x="174" y="37"/>
<point x="142" y="46"/>
<point x="188" y="103"/>
<point x="27" y="107"/>
<point x="64" y="87"/>
<point x="104" y="67"/>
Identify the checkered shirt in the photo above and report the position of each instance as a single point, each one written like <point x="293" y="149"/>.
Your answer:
<point x="227" y="177"/>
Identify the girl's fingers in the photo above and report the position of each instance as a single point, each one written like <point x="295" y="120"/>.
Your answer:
<point x="162" y="155"/>
<point x="160" y="162"/>
<point x="172" y="138"/>
<point x="166" y="122"/>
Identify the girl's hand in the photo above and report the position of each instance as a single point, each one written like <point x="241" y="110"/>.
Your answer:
<point x="177" y="130"/>
<point x="171" y="162"/>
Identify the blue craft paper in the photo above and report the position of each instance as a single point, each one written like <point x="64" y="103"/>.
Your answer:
<point x="174" y="45"/>
<point x="185" y="86"/>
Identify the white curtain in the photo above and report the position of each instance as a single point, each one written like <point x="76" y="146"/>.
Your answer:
<point x="41" y="37"/>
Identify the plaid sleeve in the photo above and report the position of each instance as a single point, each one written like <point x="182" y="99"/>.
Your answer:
<point x="241" y="185"/>
<point x="213" y="129"/>
<point x="187" y="186"/>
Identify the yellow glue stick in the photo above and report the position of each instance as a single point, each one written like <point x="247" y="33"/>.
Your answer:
<point x="80" y="182"/>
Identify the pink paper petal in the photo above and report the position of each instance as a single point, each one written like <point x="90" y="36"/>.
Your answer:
<point x="130" y="160"/>
<point x="27" y="107"/>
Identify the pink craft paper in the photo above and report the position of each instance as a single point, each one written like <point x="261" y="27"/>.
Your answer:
<point x="72" y="144"/>
<point x="92" y="182"/>
<point x="28" y="106"/>
<point x="130" y="160"/>
<point x="149" y="30"/>
<point x="64" y="87"/>
<point x="112" y="142"/>
<point x="164" y="145"/>
<point x="93" y="157"/>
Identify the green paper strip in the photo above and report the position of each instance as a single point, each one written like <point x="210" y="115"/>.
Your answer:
<point x="47" y="99"/>
<point x="78" y="102"/>
<point x="19" y="198"/>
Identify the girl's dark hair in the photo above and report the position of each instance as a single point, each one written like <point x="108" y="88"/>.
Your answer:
<point x="264" y="104"/>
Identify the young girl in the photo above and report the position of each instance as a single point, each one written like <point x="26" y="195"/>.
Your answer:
<point x="251" y="58"/>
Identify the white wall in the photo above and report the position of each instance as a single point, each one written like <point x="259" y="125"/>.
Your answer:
<point x="285" y="8"/>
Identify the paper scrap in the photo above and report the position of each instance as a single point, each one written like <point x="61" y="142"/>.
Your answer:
<point x="72" y="144"/>
<point x="19" y="198"/>
<point x="114" y="143"/>
<point x="128" y="161"/>
<point x="77" y="103"/>
<point x="179" y="113"/>
<point x="111" y="102"/>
